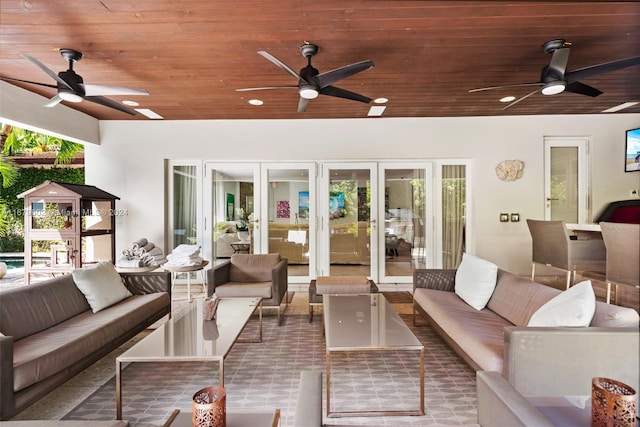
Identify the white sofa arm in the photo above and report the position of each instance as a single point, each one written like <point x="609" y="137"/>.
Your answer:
<point x="562" y="361"/>
<point x="500" y="405"/>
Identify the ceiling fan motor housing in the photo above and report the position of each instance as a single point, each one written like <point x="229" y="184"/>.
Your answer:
<point x="74" y="80"/>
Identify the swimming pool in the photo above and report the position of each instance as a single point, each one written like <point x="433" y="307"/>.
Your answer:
<point x="13" y="261"/>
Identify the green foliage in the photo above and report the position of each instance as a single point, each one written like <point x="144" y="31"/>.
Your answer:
<point x="8" y="171"/>
<point x="13" y="217"/>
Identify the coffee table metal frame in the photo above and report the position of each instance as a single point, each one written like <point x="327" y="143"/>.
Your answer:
<point x="234" y="419"/>
<point x="344" y="322"/>
<point x="232" y="316"/>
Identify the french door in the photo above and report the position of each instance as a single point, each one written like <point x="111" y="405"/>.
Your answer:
<point x="231" y="220"/>
<point x="566" y="172"/>
<point x="348" y="220"/>
<point x="406" y="209"/>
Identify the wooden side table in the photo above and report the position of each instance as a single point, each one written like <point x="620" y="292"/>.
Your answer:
<point x="234" y="419"/>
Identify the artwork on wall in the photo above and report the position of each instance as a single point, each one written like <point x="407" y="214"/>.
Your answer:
<point x="303" y="205"/>
<point x="230" y="206"/>
<point x="282" y="209"/>
<point x="336" y="204"/>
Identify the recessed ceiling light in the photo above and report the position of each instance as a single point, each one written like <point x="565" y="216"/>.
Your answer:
<point x="130" y="103"/>
<point x="376" y="110"/>
<point x="508" y="99"/>
<point x="381" y="100"/>
<point x="620" y="107"/>
<point x="256" y="102"/>
<point x="149" y="113"/>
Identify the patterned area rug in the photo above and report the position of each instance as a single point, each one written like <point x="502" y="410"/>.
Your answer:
<point x="264" y="376"/>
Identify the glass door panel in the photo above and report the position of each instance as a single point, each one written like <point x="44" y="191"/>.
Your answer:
<point x="290" y="215"/>
<point x="454" y="214"/>
<point x="349" y="220"/>
<point x="404" y="187"/>
<point x="232" y="220"/>
<point x="565" y="180"/>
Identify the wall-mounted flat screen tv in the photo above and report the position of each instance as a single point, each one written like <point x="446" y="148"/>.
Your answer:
<point x="632" y="151"/>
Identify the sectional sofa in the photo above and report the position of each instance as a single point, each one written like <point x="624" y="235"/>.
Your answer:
<point x="499" y="335"/>
<point x="51" y="330"/>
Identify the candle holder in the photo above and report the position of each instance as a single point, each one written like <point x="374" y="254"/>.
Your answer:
<point x="613" y="403"/>
<point x="210" y="407"/>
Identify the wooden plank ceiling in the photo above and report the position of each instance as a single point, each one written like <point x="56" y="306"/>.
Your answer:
<point x="191" y="55"/>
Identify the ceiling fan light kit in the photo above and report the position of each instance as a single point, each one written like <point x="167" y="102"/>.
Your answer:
<point x="553" y="88"/>
<point x="312" y="83"/>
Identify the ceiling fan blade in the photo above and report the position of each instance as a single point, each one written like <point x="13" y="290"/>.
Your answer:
<point x="558" y="64"/>
<point x="521" y="99"/>
<point x="504" y="86"/>
<point x="330" y="77"/>
<point x="281" y="64"/>
<point x="100" y="90"/>
<point x="607" y="67"/>
<point x="109" y="103"/>
<point x="302" y="105"/>
<point x="343" y="93"/>
<point x="582" y="89"/>
<point x="46" y="69"/>
<point x="53" y="101"/>
<point x="247" y="89"/>
<point x="27" y="81"/>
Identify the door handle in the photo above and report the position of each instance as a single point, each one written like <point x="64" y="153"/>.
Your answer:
<point x="550" y="199"/>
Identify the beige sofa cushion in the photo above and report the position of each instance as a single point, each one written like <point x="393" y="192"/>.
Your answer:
<point x="253" y="267"/>
<point x="28" y="310"/>
<point x="342" y="285"/>
<point x="516" y="298"/>
<point x="41" y="355"/>
<point x="478" y="333"/>
<point x="244" y="289"/>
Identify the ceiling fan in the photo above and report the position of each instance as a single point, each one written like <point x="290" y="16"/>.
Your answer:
<point x="556" y="79"/>
<point x="311" y="83"/>
<point x="71" y="86"/>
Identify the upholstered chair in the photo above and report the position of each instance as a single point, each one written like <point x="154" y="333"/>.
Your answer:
<point x="623" y="254"/>
<point x="252" y="275"/>
<point x="553" y="247"/>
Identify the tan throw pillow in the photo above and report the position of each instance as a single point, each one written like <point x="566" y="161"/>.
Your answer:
<point x="101" y="285"/>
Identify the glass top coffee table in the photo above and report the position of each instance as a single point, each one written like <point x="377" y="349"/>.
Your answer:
<point x="367" y="323"/>
<point x="186" y="337"/>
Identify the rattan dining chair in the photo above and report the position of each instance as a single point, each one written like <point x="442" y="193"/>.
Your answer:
<point x="623" y="254"/>
<point x="553" y="247"/>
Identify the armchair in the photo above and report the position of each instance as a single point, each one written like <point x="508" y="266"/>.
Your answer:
<point x="553" y="247"/>
<point x="252" y="275"/>
<point x="623" y="254"/>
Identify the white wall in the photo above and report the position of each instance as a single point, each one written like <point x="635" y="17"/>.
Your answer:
<point x="130" y="162"/>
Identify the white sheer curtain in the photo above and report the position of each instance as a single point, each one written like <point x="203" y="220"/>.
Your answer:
<point x="453" y="214"/>
<point x="184" y="205"/>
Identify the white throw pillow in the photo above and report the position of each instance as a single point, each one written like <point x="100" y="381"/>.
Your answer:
<point x="475" y="280"/>
<point x="574" y="307"/>
<point x="100" y="284"/>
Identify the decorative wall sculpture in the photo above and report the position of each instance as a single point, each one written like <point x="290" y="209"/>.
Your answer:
<point x="510" y="170"/>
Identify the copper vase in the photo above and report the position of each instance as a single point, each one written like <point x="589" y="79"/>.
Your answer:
<point x="613" y="403"/>
<point x="210" y="407"/>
